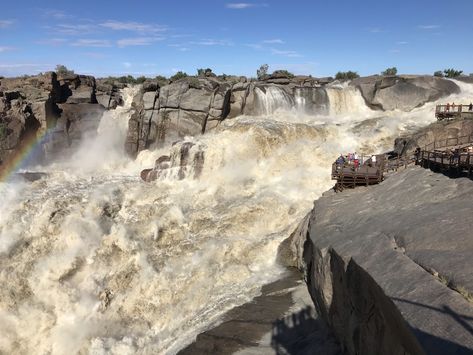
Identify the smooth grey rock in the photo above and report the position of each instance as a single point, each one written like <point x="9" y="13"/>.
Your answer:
<point x="372" y="257"/>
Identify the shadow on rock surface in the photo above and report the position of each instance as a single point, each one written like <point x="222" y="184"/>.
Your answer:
<point x="302" y="333"/>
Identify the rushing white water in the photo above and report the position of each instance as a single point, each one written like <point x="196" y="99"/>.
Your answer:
<point x="93" y="260"/>
<point x="272" y="98"/>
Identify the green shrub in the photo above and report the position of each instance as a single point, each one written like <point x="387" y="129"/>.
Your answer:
<point x="390" y="71"/>
<point x="346" y="75"/>
<point x="162" y="80"/>
<point x="439" y="74"/>
<point x="285" y="73"/>
<point x="179" y="75"/>
<point x="62" y="70"/>
<point x="452" y="73"/>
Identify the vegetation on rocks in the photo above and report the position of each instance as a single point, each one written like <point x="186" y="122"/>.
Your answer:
<point x="179" y="75"/>
<point x="346" y="75"/>
<point x="452" y="73"/>
<point x="283" y="73"/>
<point x="438" y="74"/>
<point x="390" y="71"/>
<point x="63" y="70"/>
<point x="262" y="72"/>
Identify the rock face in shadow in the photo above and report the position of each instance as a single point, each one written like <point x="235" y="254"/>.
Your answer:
<point x="389" y="266"/>
<point x="403" y="92"/>
<point x="64" y="106"/>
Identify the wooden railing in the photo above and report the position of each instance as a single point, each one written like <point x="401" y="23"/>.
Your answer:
<point x="449" y="142"/>
<point x="454" y="108"/>
<point x="442" y="161"/>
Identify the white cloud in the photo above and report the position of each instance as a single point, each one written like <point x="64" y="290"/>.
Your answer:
<point x="375" y="30"/>
<point x="133" y="26"/>
<point x="212" y="42"/>
<point x="138" y="41"/>
<point x="402" y="43"/>
<point x="290" y="54"/>
<point x="52" y="41"/>
<point x="428" y="27"/>
<point x="6" y="49"/>
<point x="274" y="41"/>
<point x="254" y="46"/>
<point x="75" y="29"/>
<point x="6" y="23"/>
<point x="92" y="43"/>
<point x="57" y="14"/>
<point x="126" y="64"/>
<point x="243" y="5"/>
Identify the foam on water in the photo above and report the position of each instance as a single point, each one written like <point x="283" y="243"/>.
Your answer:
<point x="93" y="260"/>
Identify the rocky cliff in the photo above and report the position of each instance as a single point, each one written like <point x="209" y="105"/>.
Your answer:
<point x="403" y="92"/>
<point x="65" y="107"/>
<point x="191" y="106"/>
<point x="69" y="107"/>
<point x="389" y="267"/>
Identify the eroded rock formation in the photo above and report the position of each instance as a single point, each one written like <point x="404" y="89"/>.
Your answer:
<point x="66" y="107"/>
<point x="403" y="92"/>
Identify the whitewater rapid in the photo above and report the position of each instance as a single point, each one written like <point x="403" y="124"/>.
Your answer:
<point x="95" y="261"/>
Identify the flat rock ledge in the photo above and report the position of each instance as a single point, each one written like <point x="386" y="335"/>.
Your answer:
<point x="390" y="267"/>
<point x="282" y="320"/>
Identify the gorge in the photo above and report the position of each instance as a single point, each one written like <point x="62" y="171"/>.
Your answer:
<point x="94" y="260"/>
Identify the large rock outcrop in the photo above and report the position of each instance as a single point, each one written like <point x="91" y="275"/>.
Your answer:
<point x="435" y="132"/>
<point x="389" y="267"/>
<point x="65" y="107"/>
<point x="403" y="92"/>
<point x="189" y="106"/>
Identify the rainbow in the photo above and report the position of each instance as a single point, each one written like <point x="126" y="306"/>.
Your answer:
<point x="28" y="146"/>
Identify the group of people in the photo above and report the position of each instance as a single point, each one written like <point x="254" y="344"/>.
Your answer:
<point x="452" y="106"/>
<point x="354" y="161"/>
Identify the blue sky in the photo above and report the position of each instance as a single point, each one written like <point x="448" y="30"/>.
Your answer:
<point x="305" y="37"/>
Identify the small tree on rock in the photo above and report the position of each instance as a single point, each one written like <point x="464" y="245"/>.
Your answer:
<point x="438" y="74"/>
<point x="346" y="75"/>
<point x="179" y="75"/>
<point x="452" y="73"/>
<point x="62" y="70"/>
<point x="390" y="71"/>
<point x="262" y="72"/>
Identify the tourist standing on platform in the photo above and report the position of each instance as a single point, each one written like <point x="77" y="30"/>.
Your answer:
<point x="373" y="160"/>
<point x="470" y="108"/>
<point x="355" y="160"/>
<point x="453" y="106"/>
<point x="448" y="107"/>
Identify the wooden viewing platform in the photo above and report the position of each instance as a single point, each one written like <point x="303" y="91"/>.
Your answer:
<point x="365" y="174"/>
<point x="448" y="112"/>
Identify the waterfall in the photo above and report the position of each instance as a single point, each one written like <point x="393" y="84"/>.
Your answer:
<point x="95" y="260"/>
<point x="311" y="100"/>
<point x="346" y="99"/>
<point x="271" y="98"/>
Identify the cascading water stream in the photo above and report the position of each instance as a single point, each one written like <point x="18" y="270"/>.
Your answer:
<point x="93" y="260"/>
